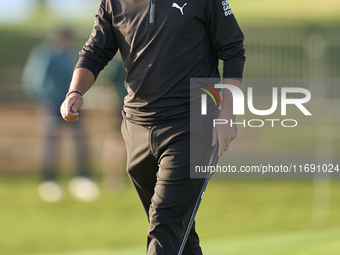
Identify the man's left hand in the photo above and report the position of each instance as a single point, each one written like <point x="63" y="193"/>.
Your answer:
<point x="224" y="134"/>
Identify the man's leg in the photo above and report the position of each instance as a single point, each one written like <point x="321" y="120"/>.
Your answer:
<point x="158" y="165"/>
<point x="82" y="150"/>
<point x="50" y="143"/>
<point x="169" y="214"/>
<point x="49" y="190"/>
<point x="175" y="193"/>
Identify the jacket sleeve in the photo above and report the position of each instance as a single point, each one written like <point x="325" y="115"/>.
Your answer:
<point x="101" y="46"/>
<point x="226" y="37"/>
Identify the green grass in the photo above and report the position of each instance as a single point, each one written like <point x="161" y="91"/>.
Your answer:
<point x="236" y="216"/>
<point x="297" y="243"/>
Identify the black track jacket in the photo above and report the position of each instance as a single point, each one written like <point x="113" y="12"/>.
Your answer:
<point x="164" y="43"/>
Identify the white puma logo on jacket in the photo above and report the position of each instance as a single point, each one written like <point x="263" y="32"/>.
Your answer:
<point x="178" y="7"/>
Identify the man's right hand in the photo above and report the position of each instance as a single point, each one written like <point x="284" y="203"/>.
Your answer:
<point x="70" y="106"/>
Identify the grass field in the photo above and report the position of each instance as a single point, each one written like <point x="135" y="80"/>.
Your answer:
<point x="236" y="217"/>
<point x="297" y="243"/>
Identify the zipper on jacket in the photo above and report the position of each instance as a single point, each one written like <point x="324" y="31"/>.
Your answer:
<point x="152" y="13"/>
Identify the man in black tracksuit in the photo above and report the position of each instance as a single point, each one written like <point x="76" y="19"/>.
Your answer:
<point x="163" y="44"/>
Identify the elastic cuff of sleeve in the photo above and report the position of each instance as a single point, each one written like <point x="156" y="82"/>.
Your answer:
<point x="90" y="64"/>
<point x="233" y="68"/>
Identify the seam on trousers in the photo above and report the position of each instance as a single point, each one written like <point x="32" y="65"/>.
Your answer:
<point x="152" y="140"/>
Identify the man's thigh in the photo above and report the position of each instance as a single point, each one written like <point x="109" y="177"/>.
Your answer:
<point x="141" y="164"/>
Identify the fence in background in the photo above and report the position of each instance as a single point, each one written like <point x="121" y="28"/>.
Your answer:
<point x="312" y="53"/>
